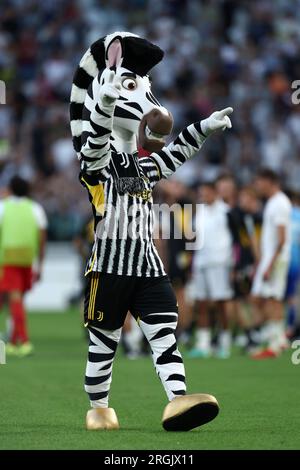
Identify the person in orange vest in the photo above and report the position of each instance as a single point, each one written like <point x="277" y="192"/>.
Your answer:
<point x="23" y="225"/>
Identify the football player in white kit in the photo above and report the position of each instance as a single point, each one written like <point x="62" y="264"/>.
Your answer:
<point x="212" y="264"/>
<point x="271" y="275"/>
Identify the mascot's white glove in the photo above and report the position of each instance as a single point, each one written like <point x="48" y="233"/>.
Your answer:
<point x="110" y="87"/>
<point x="217" y="120"/>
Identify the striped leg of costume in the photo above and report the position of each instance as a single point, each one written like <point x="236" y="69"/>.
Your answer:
<point x="102" y="349"/>
<point x="159" y="329"/>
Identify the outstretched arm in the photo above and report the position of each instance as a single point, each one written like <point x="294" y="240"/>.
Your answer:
<point x="189" y="142"/>
<point x="100" y="103"/>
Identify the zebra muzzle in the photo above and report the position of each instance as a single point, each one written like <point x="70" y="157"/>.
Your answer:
<point x="154" y="128"/>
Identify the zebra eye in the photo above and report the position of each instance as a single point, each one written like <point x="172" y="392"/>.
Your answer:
<point x="129" y="84"/>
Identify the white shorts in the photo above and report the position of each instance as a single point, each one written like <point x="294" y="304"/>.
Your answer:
<point x="273" y="288"/>
<point x="211" y="283"/>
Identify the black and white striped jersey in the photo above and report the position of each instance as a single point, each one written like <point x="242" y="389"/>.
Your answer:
<point x="123" y="220"/>
<point x="120" y="190"/>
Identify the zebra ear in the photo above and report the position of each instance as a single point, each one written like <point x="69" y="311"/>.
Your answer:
<point x="114" y="53"/>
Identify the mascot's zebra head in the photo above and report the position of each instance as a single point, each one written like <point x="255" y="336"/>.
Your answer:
<point x="138" y="117"/>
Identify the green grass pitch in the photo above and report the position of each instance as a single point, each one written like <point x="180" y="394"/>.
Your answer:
<point x="43" y="404"/>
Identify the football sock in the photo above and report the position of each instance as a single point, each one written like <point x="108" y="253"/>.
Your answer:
<point x="159" y="329"/>
<point x="203" y="339"/>
<point x="250" y="332"/>
<point x="19" y="331"/>
<point x="133" y="339"/>
<point x="225" y="340"/>
<point x="102" y="348"/>
<point x="275" y="329"/>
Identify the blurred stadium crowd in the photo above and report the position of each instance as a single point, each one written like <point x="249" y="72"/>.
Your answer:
<point x="218" y="53"/>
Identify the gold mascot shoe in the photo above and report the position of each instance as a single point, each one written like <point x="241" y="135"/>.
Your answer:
<point x="101" y="418"/>
<point x="189" y="411"/>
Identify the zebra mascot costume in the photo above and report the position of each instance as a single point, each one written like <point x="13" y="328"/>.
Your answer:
<point x="112" y="111"/>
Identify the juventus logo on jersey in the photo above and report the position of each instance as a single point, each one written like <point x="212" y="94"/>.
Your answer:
<point x="125" y="160"/>
<point x="100" y="315"/>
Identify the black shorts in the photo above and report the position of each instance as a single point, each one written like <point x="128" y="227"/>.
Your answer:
<point x="108" y="298"/>
<point x="242" y="284"/>
<point x="178" y="277"/>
